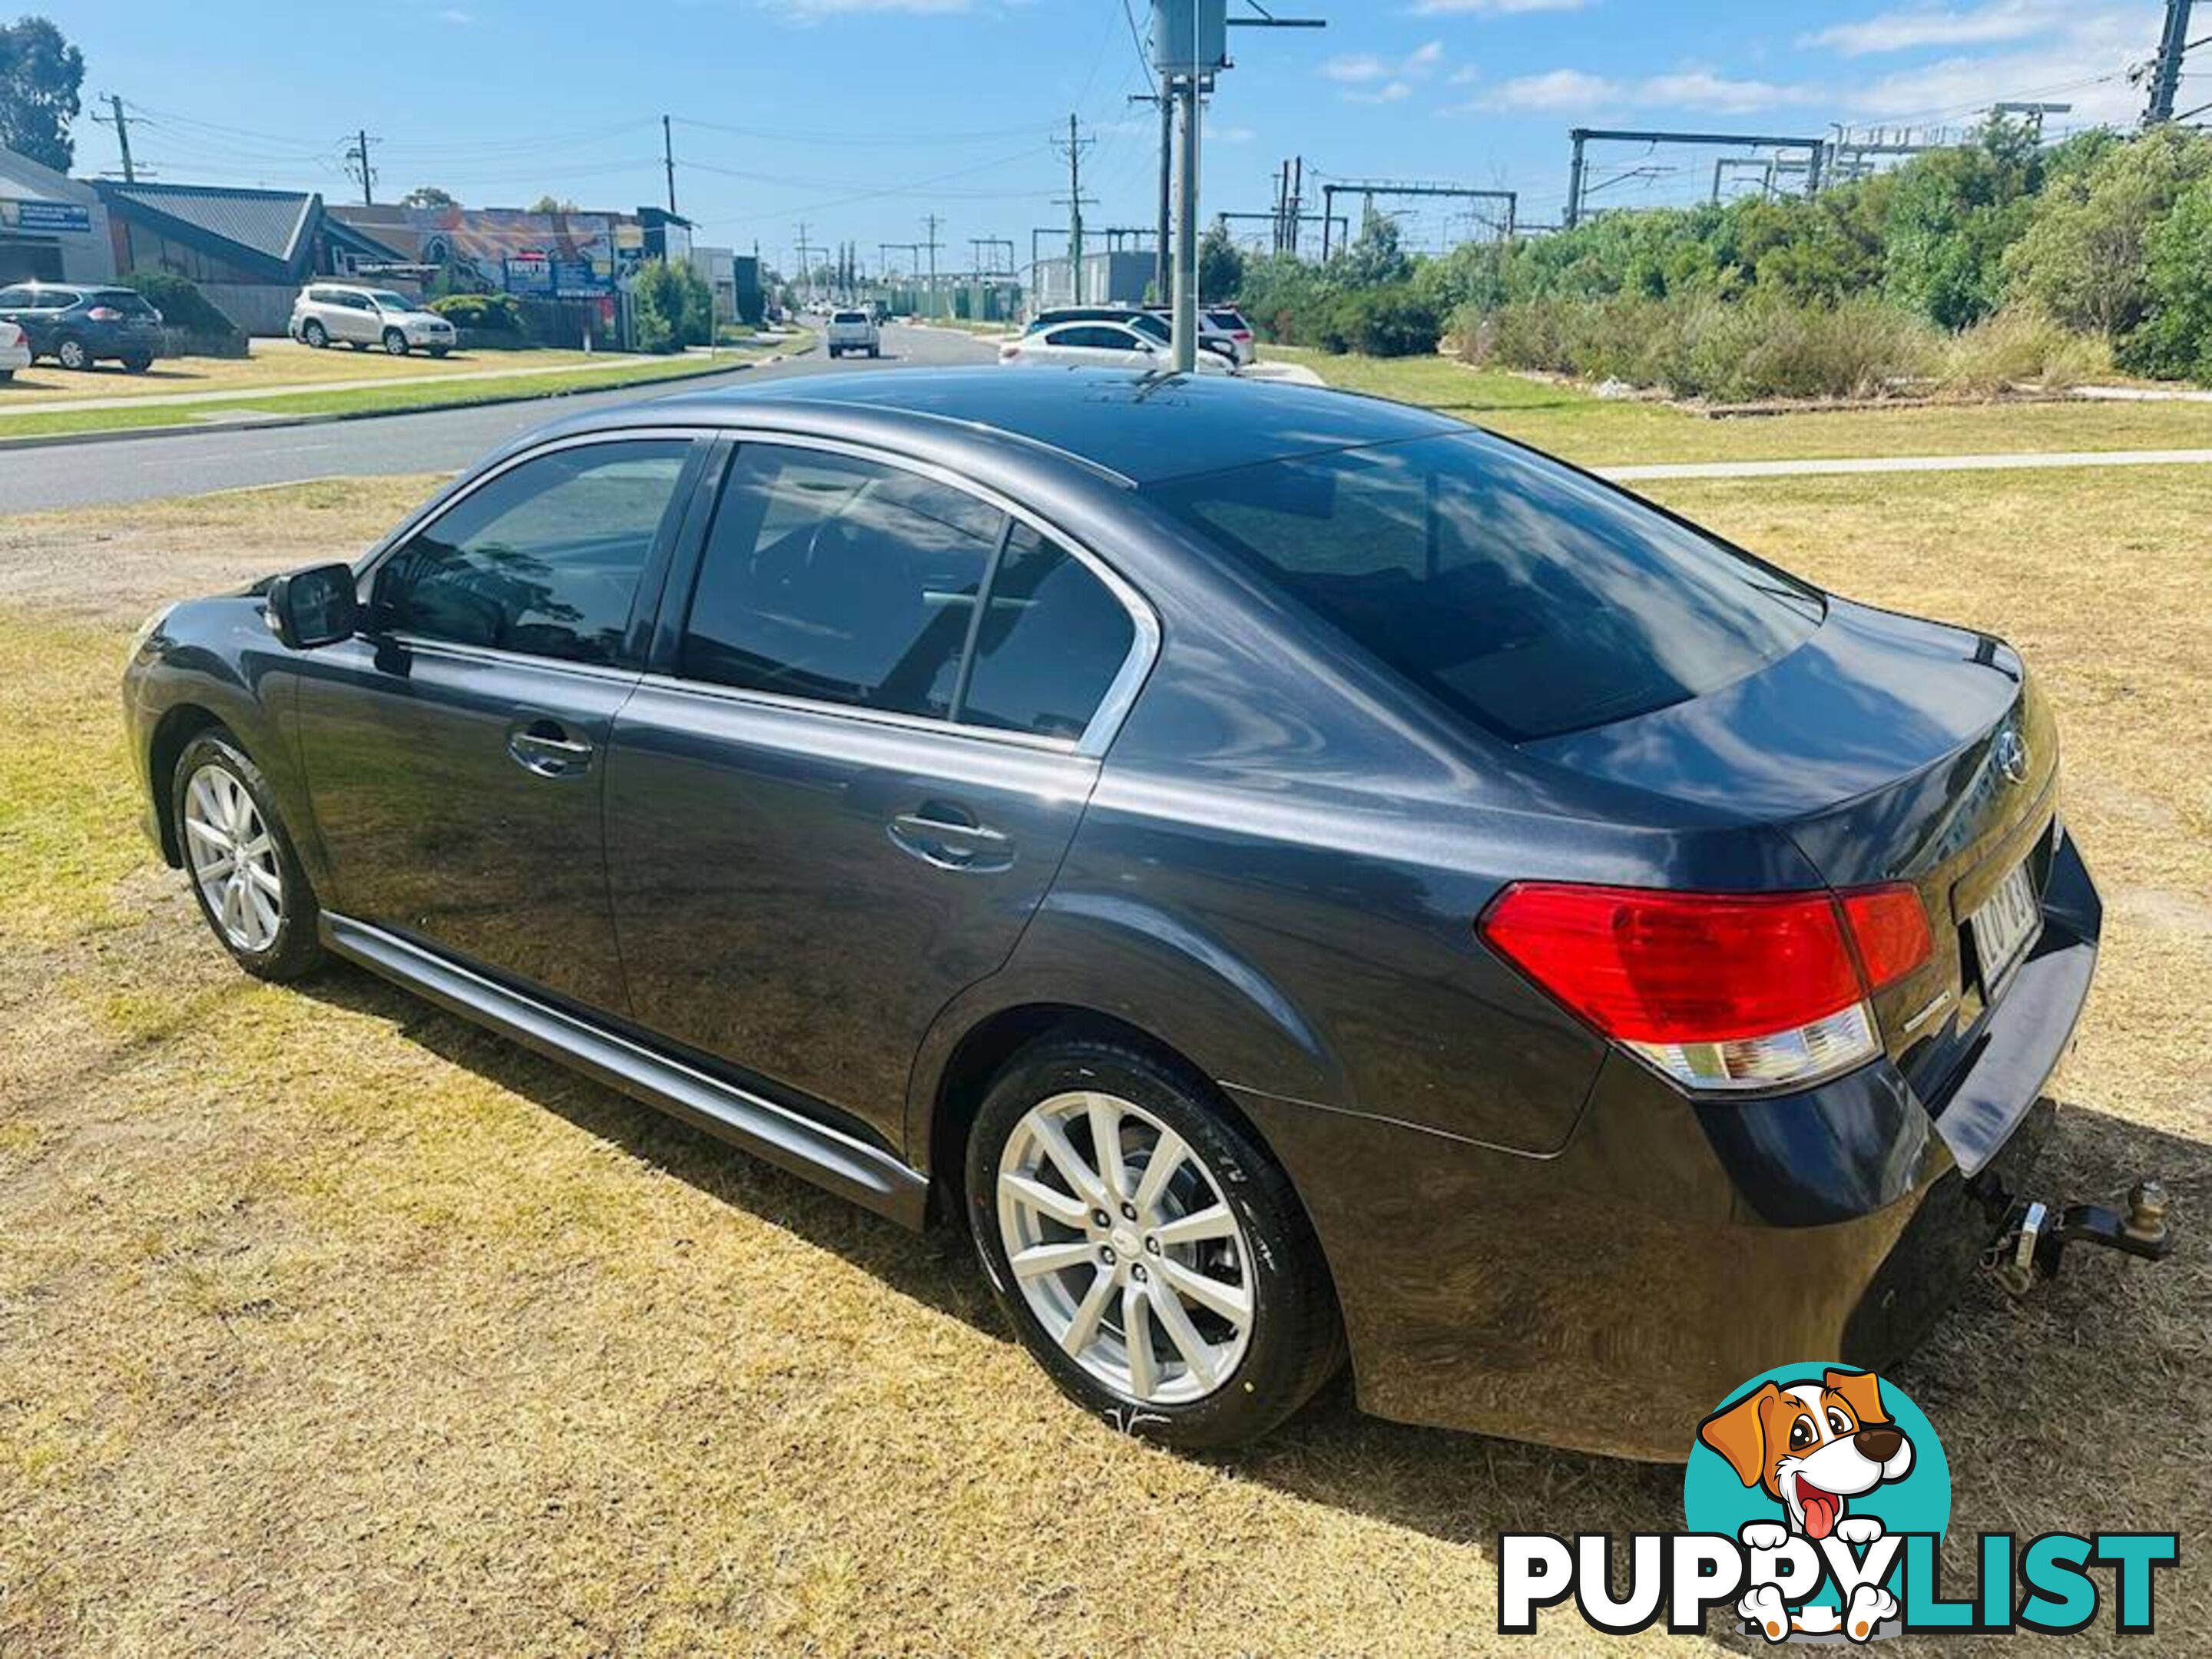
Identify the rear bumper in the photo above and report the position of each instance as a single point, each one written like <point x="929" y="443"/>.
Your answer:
<point x="1606" y="1296"/>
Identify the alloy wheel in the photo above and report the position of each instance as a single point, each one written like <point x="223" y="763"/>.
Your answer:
<point x="71" y="355"/>
<point x="1124" y="1248"/>
<point x="234" y="859"/>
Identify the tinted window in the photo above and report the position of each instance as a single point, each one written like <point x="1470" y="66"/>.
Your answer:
<point x="544" y="559"/>
<point x="1052" y="641"/>
<point x="840" y="579"/>
<point x="850" y="317"/>
<point x="1510" y="587"/>
<point x="1097" y="336"/>
<point x="14" y="299"/>
<point x="128" y="300"/>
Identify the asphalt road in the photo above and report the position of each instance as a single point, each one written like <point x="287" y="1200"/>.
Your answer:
<point x="141" y="469"/>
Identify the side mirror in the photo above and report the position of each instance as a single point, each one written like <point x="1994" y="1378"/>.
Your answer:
<point x="314" y="607"/>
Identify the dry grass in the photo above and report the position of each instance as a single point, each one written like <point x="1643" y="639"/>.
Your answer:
<point x="1569" y="421"/>
<point x="330" y="1324"/>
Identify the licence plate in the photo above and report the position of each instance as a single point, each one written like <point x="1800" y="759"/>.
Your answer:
<point x="2005" y="925"/>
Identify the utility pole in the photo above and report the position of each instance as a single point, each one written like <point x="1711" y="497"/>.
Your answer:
<point x="2165" y="71"/>
<point x="121" y="123"/>
<point x="1074" y="146"/>
<point x="805" y="263"/>
<point x="668" y="161"/>
<point x="933" y="221"/>
<point x="1186" y="229"/>
<point x="357" y="166"/>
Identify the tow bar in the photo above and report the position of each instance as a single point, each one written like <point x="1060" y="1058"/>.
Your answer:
<point x="2030" y="1243"/>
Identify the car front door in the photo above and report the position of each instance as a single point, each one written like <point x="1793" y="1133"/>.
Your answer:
<point x="456" y="752"/>
<point x="849" y="778"/>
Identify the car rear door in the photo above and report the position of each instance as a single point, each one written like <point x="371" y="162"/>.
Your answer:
<point x="455" y="752"/>
<point x="850" y="775"/>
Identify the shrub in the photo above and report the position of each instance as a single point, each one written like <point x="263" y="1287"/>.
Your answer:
<point x="671" y="308"/>
<point x="1396" y="321"/>
<point x="2084" y="259"/>
<point x="487" y="314"/>
<point x="1700" y="346"/>
<point x="2018" y="346"/>
<point x="2175" y="337"/>
<point x="180" y="302"/>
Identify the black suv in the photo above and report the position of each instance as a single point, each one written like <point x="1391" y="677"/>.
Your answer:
<point x="79" y="325"/>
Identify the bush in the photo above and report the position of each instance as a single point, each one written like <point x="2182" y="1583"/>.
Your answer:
<point x="671" y="308"/>
<point x="1396" y="321"/>
<point x="2084" y="259"/>
<point x="487" y="314"/>
<point x="180" y="302"/>
<point x="2175" y="338"/>
<point x="2018" y="346"/>
<point x="1700" y="346"/>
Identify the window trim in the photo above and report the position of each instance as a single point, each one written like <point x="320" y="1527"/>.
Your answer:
<point x="652" y="575"/>
<point x="1106" y="720"/>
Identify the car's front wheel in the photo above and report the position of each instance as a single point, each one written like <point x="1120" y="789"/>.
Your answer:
<point x="248" y="880"/>
<point x="1152" y="1258"/>
<point x="395" y="343"/>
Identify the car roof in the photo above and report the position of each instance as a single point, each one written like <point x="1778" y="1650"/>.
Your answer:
<point x="1140" y="428"/>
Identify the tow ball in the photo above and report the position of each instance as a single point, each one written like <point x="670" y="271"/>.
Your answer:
<point x="2031" y="1241"/>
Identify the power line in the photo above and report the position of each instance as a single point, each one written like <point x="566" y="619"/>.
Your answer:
<point x="358" y="167"/>
<point x="121" y="123"/>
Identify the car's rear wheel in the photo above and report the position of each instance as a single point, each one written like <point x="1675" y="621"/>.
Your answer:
<point x="440" y="351"/>
<point x="395" y="343"/>
<point x="69" y="352"/>
<point x="1152" y="1258"/>
<point x="313" y="333"/>
<point x="247" y="879"/>
<point x="138" y="363"/>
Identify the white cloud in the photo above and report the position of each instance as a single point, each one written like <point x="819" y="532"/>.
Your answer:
<point x="1356" y="69"/>
<point x="2084" y="63"/>
<point x="1425" y="55"/>
<point x="1215" y="135"/>
<point x="812" y="11"/>
<point x="1917" y="27"/>
<point x="1702" y="89"/>
<point x="456" y="16"/>
<point x="1494" y="8"/>
<point x="1395" y="92"/>
<point x="1554" y="89"/>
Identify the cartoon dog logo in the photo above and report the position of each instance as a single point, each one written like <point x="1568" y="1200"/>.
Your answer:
<point x="1813" y="1446"/>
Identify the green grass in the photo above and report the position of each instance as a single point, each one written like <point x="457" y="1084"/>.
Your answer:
<point x="376" y="400"/>
<point x="1569" y="421"/>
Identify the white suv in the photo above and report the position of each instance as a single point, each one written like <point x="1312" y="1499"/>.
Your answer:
<point x="326" y="314"/>
<point x="853" y="331"/>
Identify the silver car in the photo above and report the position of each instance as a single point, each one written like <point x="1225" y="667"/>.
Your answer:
<point x="329" y="313"/>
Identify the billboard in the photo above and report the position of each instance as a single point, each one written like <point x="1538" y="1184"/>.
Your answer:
<point x="39" y="215"/>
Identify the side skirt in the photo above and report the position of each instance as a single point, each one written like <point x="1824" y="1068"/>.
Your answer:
<point x="846" y="1166"/>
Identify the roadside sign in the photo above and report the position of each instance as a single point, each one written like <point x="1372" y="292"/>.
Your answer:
<point x="36" y="215"/>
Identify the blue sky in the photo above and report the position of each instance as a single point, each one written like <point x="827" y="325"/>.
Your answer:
<point x="861" y="116"/>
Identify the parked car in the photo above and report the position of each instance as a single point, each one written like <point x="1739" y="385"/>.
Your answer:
<point x="332" y="313"/>
<point x="14" y="351"/>
<point x="79" y="325"/>
<point x="1221" y="329"/>
<point x="1290" y="873"/>
<point x="1121" y="344"/>
<point x="853" y="331"/>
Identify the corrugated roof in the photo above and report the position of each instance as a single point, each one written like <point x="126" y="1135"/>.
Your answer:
<point x="273" y="223"/>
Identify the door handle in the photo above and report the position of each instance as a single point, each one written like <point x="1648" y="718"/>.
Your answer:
<point x="546" y="747"/>
<point x="952" y="844"/>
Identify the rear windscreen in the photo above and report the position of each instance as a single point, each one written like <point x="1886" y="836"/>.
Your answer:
<point x="850" y="317"/>
<point x="1510" y="587"/>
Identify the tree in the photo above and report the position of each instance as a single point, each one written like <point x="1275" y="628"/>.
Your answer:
<point x="429" y="196"/>
<point x="2175" y="337"/>
<point x="1220" y="267"/>
<point x="40" y="75"/>
<point x="550" y="204"/>
<point x="2082" y="258"/>
<point x="1375" y="259"/>
<point x="672" y="306"/>
<point x="1952" y="215"/>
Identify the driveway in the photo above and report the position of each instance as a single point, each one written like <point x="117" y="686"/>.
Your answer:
<point x="144" y="469"/>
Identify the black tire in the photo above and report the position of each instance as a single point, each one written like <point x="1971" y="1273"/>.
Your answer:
<point x="295" y="948"/>
<point x="137" y="365"/>
<point x="395" y="343"/>
<point x="314" y="335"/>
<point x="6" y="375"/>
<point x="70" y="353"/>
<point x="439" y="351"/>
<point x="1296" y="1341"/>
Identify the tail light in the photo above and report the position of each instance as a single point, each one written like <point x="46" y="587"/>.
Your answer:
<point x="105" y="315"/>
<point x="1717" y="991"/>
